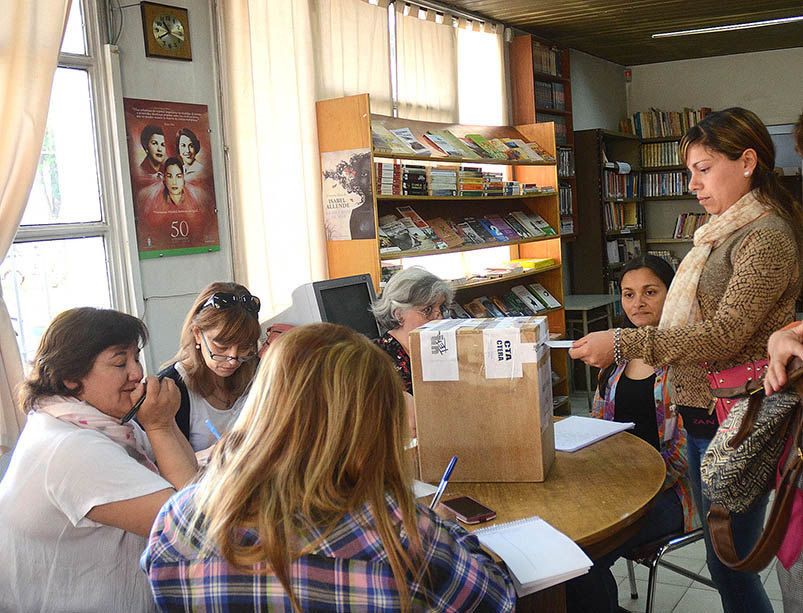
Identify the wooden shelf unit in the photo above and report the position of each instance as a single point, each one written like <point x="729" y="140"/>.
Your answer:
<point x="345" y="124"/>
<point x="524" y="79"/>
<point x="592" y="271"/>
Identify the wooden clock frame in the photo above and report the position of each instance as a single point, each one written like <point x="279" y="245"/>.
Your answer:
<point x="150" y="10"/>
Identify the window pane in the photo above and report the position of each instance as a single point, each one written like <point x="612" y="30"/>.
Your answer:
<point x="65" y="188"/>
<point x="42" y="279"/>
<point x="74" y="34"/>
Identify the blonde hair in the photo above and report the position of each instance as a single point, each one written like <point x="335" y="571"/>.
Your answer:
<point x="320" y="435"/>
<point x="236" y="325"/>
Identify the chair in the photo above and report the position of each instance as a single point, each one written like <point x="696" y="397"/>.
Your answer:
<point x="651" y="555"/>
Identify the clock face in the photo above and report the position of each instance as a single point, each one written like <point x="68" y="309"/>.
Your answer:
<point x="168" y="31"/>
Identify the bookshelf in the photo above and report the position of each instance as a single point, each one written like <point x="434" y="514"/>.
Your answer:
<point x="542" y="92"/>
<point x="612" y="205"/>
<point x="344" y="125"/>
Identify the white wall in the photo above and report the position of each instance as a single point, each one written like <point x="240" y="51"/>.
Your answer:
<point x="599" y="99"/>
<point x="770" y="83"/>
<point x="169" y="285"/>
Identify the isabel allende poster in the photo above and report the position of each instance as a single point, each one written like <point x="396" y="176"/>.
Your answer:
<point x="348" y="204"/>
<point x="171" y="176"/>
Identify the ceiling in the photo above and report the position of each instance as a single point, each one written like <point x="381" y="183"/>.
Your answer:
<point x="620" y="31"/>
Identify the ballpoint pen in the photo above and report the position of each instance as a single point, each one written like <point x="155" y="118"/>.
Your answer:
<point x="212" y="429"/>
<point x="130" y="415"/>
<point x="444" y="482"/>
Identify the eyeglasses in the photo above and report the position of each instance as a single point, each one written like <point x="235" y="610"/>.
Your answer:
<point x="220" y="357"/>
<point x="430" y="312"/>
<point x="226" y="300"/>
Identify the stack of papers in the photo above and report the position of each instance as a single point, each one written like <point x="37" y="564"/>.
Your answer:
<point x="536" y="554"/>
<point x="576" y="432"/>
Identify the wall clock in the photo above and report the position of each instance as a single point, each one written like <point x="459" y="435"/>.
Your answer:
<point x="166" y="30"/>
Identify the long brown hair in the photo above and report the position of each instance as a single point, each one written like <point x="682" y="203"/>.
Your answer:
<point x="319" y="436"/>
<point x="731" y="132"/>
<point x="237" y="326"/>
<point x="70" y="346"/>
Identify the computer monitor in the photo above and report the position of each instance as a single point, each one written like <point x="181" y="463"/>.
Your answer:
<point x="346" y="301"/>
<point x="343" y="301"/>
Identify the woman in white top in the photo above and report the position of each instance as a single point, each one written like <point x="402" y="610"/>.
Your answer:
<point x="82" y="489"/>
<point x="216" y="361"/>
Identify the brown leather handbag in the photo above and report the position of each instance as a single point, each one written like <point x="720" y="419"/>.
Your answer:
<point x="743" y="464"/>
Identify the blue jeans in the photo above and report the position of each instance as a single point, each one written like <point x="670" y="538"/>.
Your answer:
<point x="740" y="592"/>
<point x="596" y="591"/>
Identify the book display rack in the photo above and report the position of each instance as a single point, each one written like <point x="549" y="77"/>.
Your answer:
<point x="429" y="191"/>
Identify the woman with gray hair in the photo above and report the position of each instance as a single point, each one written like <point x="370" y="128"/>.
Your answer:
<point x="411" y="298"/>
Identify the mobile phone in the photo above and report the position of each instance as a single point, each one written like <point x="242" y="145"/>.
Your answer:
<point x="468" y="510"/>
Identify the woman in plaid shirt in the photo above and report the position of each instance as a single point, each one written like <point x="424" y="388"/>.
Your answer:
<point x="306" y="504"/>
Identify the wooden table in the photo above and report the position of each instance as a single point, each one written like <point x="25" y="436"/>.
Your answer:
<point x="585" y="309"/>
<point x="596" y="496"/>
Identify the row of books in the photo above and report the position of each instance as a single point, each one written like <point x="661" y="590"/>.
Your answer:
<point x="402" y="141"/>
<point x="565" y="162"/>
<point x="622" y="216"/>
<point x="687" y="223"/>
<point x="667" y="255"/>
<point x="547" y="59"/>
<point x="550" y="95"/>
<point x="395" y="179"/>
<point x="660" y="154"/>
<point x="566" y="225"/>
<point x="560" y="126"/>
<point x="520" y="301"/>
<point x="411" y="232"/>
<point x="623" y="250"/>
<point x="621" y="185"/>
<point x="656" y="123"/>
<point x="667" y="183"/>
<point x="565" y="198"/>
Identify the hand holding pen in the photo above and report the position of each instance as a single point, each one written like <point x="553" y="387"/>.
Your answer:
<point x="158" y="404"/>
<point x="444" y="482"/>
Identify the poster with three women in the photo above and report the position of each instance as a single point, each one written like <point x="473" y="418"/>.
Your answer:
<point x="171" y="177"/>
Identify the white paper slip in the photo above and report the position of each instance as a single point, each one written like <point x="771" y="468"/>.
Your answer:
<point x="559" y="344"/>
<point x="421" y="489"/>
<point x="576" y="432"/>
<point x="536" y="554"/>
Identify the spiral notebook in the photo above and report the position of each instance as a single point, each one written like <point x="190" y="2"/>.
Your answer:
<point x="536" y="554"/>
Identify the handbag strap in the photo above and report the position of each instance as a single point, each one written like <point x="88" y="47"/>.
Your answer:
<point x="753" y="386"/>
<point x="719" y="521"/>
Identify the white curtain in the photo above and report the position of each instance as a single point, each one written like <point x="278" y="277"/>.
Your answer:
<point x="30" y="39"/>
<point x="481" y="87"/>
<point x="278" y="58"/>
<point x="427" y="68"/>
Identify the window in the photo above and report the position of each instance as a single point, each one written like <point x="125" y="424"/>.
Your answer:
<point x="62" y="253"/>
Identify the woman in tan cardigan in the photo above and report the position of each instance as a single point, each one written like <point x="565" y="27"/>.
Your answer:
<point x="735" y="287"/>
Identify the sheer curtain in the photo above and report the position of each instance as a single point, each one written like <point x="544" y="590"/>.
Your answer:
<point x="427" y="68"/>
<point x="481" y="86"/>
<point x="31" y="34"/>
<point x="278" y="58"/>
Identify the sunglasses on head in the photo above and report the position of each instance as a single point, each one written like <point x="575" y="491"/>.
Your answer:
<point x="227" y="300"/>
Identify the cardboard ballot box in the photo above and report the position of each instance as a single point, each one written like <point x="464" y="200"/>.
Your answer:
<point x="483" y="392"/>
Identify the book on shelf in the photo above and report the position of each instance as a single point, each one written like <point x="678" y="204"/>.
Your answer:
<point x="384" y="141"/>
<point x="495" y="232"/>
<point x="482" y="153"/>
<point x="407" y="137"/>
<point x="656" y="123"/>
<point x="385" y="244"/>
<point x="503" y="227"/>
<point x="667" y="255"/>
<point x="516" y="302"/>
<point x="492" y="309"/>
<point x="486" y="146"/>
<point x="540" y="292"/>
<point x="528" y="298"/>
<point x="450" y="144"/>
<point x="476" y="309"/>
<point x="397" y="233"/>
<point x="537" y="555"/>
<point x="547" y="59"/>
<point x="526" y="152"/>
<point x="459" y="312"/>
<point x="444" y="230"/>
<point x="470" y="233"/>
<point x="543" y="153"/>
<point x="480" y="229"/>
<point x="409" y="213"/>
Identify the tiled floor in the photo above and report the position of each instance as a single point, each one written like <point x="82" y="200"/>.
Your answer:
<point x="673" y="592"/>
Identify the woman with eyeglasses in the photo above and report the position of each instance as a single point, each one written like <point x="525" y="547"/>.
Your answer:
<point x="216" y="361"/>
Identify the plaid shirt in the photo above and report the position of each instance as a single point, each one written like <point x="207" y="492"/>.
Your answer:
<point x="348" y="570"/>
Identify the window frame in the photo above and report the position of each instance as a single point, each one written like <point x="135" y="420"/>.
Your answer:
<point x="112" y="226"/>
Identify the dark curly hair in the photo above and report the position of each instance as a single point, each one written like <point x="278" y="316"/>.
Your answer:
<point x="147" y="132"/>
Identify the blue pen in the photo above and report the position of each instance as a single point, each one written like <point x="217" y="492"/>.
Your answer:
<point x="444" y="482"/>
<point x="212" y="429"/>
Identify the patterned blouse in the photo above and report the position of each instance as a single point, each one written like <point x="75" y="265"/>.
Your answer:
<point x="673" y="449"/>
<point x="347" y="570"/>
<point x="400" y="358"/>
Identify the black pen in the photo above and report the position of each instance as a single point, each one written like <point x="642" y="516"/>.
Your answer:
<point x="130" y="415"/>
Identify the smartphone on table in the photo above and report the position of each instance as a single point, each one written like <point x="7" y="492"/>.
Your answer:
<point x="468" y="510"/>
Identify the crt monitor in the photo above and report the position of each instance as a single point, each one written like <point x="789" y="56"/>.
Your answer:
<point x="346" y="301"/>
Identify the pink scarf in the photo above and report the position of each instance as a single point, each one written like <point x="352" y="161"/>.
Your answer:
<point x="84" y="415"/>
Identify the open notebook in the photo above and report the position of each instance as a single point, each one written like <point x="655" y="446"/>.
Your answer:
<point x="537" y="555"/>
<point x="576" y="432"/>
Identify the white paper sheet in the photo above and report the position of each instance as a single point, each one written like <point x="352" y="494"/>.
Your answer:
<point x="576" y="432"/>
